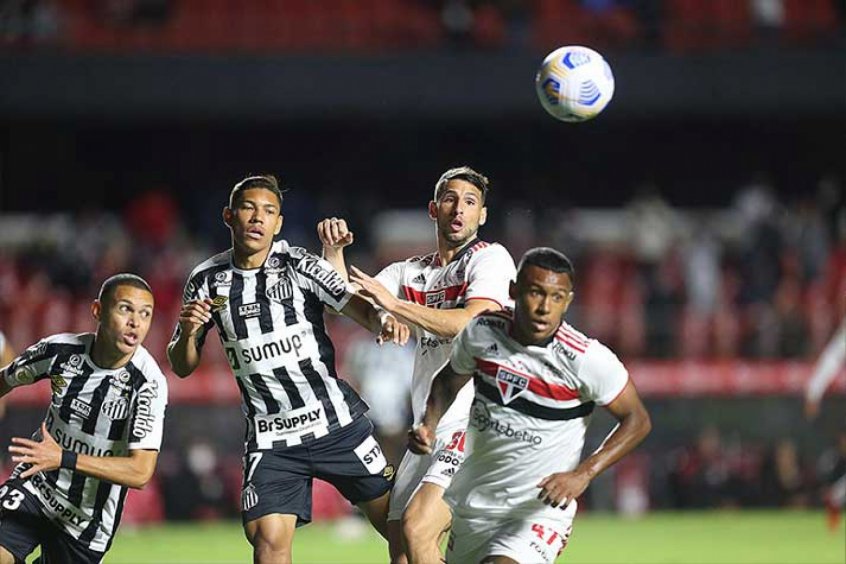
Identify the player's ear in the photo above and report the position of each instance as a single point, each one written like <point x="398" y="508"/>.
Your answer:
<point x="227" y="216"/>
<point x="512" y="290"/>
<point x="433" y="210"/>
<point x="570" y="297"/>
<point x="483" y="216"/>
<point x="96" y="309"/>
<point x="279" y="223"/>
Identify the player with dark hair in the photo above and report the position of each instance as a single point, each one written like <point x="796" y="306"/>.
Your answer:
<point x="267" y="299"/>
<point x="101" y="435"/>
<point x="537" y="381"/>
<point x="438" y="294"/>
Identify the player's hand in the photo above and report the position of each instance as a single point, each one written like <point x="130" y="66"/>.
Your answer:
<point x="393" y="331"/>
<point x="194" y="315"/>
<point x="44" y="456"/>
<point x="421" y="439"/>
<point x="559" y="489"/>
<point x="371" y="288"/>
<point x="334" y="233"/>
<point x="812" y="409"/>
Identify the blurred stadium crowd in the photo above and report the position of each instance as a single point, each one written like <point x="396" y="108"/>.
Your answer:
<point x="356" y="26"/>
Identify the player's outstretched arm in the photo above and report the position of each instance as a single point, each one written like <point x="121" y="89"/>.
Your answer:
<point x="445" y="323"/>
<point x="445" y="388"/>
<point x="334" y="235"/>
<point x="133" y="471"/>
<point x="825" y="370"/>
<point x="183" y="354"/>
<point x="561" y="488"/>
<point x="385" y="325"/>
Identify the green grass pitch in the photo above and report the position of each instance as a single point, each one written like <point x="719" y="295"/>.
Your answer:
<point x="690" y="537"/>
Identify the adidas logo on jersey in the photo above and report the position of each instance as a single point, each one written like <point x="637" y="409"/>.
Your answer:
<point x="419" y="279"/>
<point x="492" y="349"/>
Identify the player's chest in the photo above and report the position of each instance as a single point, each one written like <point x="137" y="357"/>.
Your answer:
<point x="443" y="287"/>
<point x="238" y="298"/>
<point x="78" y="387"/>
<point x="514" y="369"/>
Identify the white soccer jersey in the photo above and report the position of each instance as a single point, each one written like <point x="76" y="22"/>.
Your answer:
<point x="479" y="271"/>
<point x="270" y="322"/>
<point x="531" y="408"/>
<point x="94" y="411"/>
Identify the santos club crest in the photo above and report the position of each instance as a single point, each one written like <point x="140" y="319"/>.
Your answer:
<point x="510" y="384"/>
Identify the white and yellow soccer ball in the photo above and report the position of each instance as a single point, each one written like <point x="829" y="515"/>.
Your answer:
<point x="574" y="83"/>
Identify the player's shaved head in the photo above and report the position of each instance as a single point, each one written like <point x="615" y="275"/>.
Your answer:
<point x="548" y="259"/>
<point x="465" y="173"/>
<point x="263" y="181"/>
<point x="107" y="290"/>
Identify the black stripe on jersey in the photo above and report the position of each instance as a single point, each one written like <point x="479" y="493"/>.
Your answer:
<point x="357" y="406"/>
<point x="89" y="424"/>
<point x="74" y="388"/>
<point x="319" y="388"/>
<point x="236" y="300"/>
<point x="104" y="489"/>
<point x="265" y="315"/>
<point x="118" y="426"/>
<point x="271" y="405"/>
<point x="77" y="486"/>
<point x="118" y="515"/>
<point x="249" y="437"/>
<point x="290" y="387"/>
<point x="530" y="408"/>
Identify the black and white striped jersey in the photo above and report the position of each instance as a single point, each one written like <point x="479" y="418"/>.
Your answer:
<point x="270" y="322"/>
<point x="94" y="411"/>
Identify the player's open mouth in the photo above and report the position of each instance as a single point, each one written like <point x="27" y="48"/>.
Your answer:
<point x="130" y="339"/>
<point x="456" y="225"/>
<point x="255" y="233"/>
<point x="538" y="325"/>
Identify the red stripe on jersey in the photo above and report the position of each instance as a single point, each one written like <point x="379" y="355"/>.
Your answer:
<point x="537" y="386"/>
<point x="480" y="245"/>
<point x="450" y="293"/>
<point x="574" y="336"/>
<point x="569" y="343"/>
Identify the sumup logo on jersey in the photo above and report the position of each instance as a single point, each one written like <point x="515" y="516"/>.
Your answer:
<point x="510" y="385"/>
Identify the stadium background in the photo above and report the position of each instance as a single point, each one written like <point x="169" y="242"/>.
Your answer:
<point x="704" y="209"/>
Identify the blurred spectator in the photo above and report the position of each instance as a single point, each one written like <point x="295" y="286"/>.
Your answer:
<point x="783" y="479"/>
<point x="383" y="377"/>
<point x="197" y="490"/>
<point x="25" y="22"/>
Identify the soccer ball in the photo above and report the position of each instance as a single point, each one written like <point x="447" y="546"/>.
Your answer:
<point x="574" y="83"/>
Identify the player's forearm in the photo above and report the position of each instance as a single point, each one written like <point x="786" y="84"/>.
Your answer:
<point x="445" y="388"/>
<point x="183" y="355"/>
<point x="445" y="323"/>
<point x="620" y="441"/>
<point x="132" y="472"/>
<point x="335" y="257"/>
<point x="827" y="366"/>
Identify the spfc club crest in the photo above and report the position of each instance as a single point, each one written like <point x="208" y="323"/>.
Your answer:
<point x="510" y="385"/>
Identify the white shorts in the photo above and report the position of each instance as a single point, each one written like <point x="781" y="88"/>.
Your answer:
<point x="437" y="468"/>
<point x="528" y="541"/>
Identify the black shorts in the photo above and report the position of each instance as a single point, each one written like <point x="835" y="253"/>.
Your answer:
<point x="23" y="527"/>
<point x="280" y="480"/>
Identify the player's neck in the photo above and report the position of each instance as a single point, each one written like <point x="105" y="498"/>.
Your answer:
<point x="106" y="357"/>
<point x="448" y="251"/>
<point x="246" y="260"/>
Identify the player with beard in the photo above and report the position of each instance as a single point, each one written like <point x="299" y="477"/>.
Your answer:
<point x="537" y="380"/>
<point x="438" y="294"/>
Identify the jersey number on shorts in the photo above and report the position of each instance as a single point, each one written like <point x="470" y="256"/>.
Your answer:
<point x="12" y="499"/>
<point x="457" y="442"/>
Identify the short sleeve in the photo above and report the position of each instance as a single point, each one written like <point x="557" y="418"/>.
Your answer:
<point x="391" y="278"/>
<point x="602" y="375"/>
<point x="192" y="292"/>
<point x="489" y="275"/>
<point x="31" y="366"/>
<point x="317" y="276"/>
<point x="461" y="358"/>
<point x="148" y="415"/>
